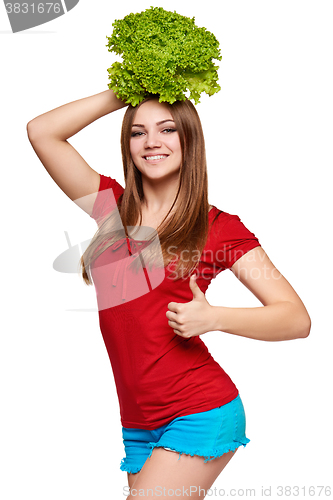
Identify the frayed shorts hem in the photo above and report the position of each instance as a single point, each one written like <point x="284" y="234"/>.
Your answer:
<point x="126" y="468"/>
<point x="207" y="455"/>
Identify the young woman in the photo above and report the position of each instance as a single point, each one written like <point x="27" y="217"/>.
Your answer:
<point x="182" y="415"/>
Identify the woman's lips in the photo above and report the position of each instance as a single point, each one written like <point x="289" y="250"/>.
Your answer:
<point x="155" y="158"/>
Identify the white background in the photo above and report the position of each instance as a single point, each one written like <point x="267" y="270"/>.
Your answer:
<point x="269" y="150"/>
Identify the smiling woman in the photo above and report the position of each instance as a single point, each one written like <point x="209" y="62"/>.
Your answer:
<point x="174" y="398"/>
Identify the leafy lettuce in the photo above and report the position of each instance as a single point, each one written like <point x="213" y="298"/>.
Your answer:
<point x="163" y="53"/>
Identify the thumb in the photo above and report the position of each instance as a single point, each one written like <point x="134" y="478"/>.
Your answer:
<point x="197" y="293"/>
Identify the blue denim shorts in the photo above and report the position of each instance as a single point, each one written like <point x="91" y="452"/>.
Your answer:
<point x="208" y="434"/>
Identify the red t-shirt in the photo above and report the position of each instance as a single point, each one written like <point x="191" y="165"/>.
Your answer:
<point x="160" y="375"/>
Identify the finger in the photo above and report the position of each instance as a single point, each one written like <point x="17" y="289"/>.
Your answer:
<point x="178" y="332"/>
<point x="173" y="306"/>
<point x="174" y="324"/>
<point x="171" y="315"/>
<point x="197" y="293"/>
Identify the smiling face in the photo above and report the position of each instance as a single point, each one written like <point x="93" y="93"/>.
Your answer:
<point x="154" y="144"/>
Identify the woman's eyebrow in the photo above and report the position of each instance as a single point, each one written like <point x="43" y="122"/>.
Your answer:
<point x="158" y="123"/>
<point x="163" y="121"/>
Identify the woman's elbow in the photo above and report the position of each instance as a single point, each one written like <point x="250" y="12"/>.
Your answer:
<point x="32" y="130"/>
<point x="304" y="326"/>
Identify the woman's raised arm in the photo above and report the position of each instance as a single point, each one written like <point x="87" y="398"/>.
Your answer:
<point x="48" y="134"/>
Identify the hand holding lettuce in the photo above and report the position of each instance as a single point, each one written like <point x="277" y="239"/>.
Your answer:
<point x="163" y="53"/>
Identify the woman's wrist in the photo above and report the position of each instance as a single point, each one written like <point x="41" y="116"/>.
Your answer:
<point x="112" y="101"/>
<point x="217" y="318"/>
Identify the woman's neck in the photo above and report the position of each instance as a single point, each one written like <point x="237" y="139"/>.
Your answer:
<point x="158" y="196"/>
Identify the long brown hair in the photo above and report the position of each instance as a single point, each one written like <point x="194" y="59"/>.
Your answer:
<point x="186" y="229"/>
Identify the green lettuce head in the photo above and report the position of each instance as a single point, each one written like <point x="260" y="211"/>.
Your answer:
<point x="163" y="53"/>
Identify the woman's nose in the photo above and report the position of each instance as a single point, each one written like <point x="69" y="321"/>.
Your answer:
<point x="152" y="140"/>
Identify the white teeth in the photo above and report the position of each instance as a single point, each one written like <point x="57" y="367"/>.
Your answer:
<point x="158" y="157"/>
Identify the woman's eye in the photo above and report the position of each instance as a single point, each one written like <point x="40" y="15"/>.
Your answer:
<point x="136" y="134"/>
<point x="169" y="130"/>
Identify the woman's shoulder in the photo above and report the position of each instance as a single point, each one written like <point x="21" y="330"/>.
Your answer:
<point x="228" y="226"/>
<point x="229" y="239"/>
<point x="221" y="217"/>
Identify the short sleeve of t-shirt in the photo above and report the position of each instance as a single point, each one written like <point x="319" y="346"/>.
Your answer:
<point x="107" y="197"/>
<point x="230" y="240"/>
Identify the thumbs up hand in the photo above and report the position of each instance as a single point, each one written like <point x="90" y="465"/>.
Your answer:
<point x="193" y="318"/>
